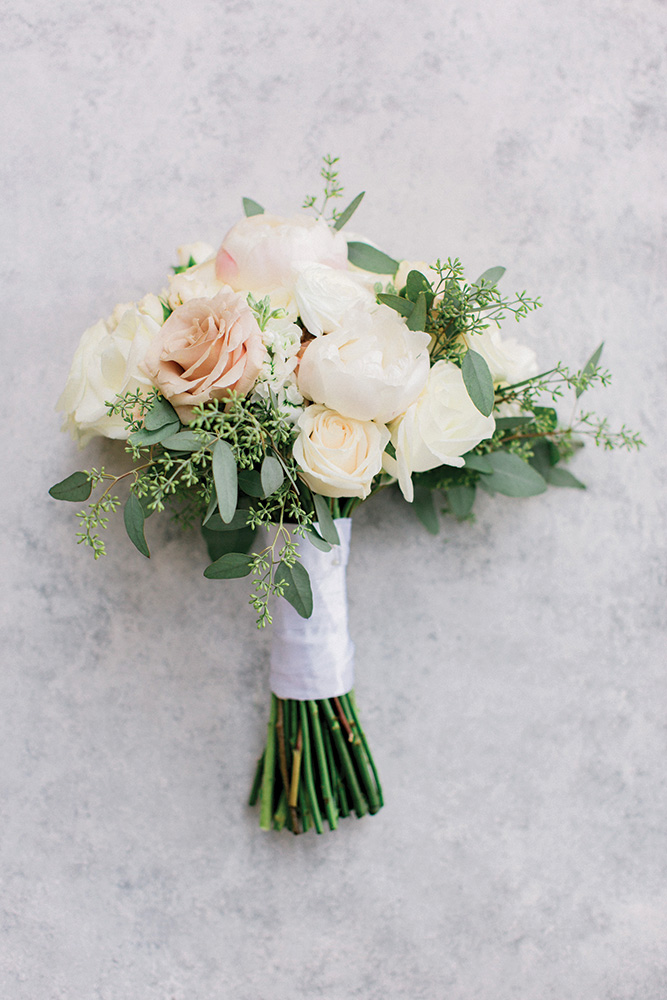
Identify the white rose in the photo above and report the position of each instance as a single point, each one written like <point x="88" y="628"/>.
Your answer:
<point x="509" y="361"/>
<point x="105" y="365"/>
<point x="259" y="253"/>
<point x="437" y="429"/>
<point x="339" y="456"/>
<point x="371" y="368"/>
<point x="323" y="294"/>
<point x="197" y="252"/>
<point x="198" y="282"/>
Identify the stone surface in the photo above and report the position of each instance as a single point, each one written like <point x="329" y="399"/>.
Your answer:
<point x="510" y="672"/>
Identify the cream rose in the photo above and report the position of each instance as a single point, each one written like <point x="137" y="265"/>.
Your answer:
<point x="206" y="348"/>
<point x="441" y="426"/>
<point x="339" y="456"/>
<point x="106" y="364"/>
<point x="509" y="361"/>
<point x="259" y="253"/>
<point x="198" y="282"/>
<point x="371" y="368"/>
<point x="324" y="294"/>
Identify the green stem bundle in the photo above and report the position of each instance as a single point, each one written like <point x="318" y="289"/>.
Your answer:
<point x="316" y="766"/>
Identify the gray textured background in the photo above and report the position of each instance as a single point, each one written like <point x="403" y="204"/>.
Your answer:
<point x="509" y="672"/>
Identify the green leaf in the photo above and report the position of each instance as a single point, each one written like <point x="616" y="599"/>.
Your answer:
<point x="143" y="438"/>
<point x="251" y="207"/>
<point x="490" y="277"/>
<point x="415" y="284"/>
<point x="75" y="488"/>
<point x="480" y="463"/>
<point x="508" y="423"/>
<point x="478" y="381"/>
<point x="545" y="455"/>
<point x="225" y="480"/>
<point x="370" y="259"/>
<point x="397" y="302"/>
<point x="548" y="416"/>
<point x="250" y="482"/>
<point x="315" y="539"/>
<point x="239" y="521"/>
<point x="325" y="522"/>
<point x="297" y="591"/>
<point x="219" y="543"/>
<point x="212" y="507"/>
<point x="161" y="412"/>
<point x="271" y="475"/>
<point x="512" y="476"/>
<point x="461" y="500"/>
<point x="231" y="566"/>
<point x="590" y="367"/>
<point x="557" y="476"/>
<point x="347" y="213"/>
<point x="133" y="516"/>
<point x="417" y="318"/>
<point x="425" y="510"/>
<point x="186" y="441"/>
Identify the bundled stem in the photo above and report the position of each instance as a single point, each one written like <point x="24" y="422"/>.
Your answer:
<point x="316" y="765"/>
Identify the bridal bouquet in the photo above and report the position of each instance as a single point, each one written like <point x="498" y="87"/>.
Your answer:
<point x="273" y="386"/>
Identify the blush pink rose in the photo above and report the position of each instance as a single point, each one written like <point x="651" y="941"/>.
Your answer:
<point x="259" y="253"/>
<point x="206" y="348"/>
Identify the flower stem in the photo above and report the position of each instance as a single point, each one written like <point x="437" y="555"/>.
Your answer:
<point x="329" y="804"/>
<point x="308" y="771"/>
<point x="266" y="809"/>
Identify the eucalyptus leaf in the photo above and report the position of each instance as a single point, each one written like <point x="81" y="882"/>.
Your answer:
<point x="370" y="259"/>
<point x="415" y="284"/>
<point x="478" y="381"/>
<point x="461" y="500"/>
<point x="315" y="539"/>
<point x="238" y="521"/>
<point x="590" y="367"/>
<point x="225" y="480"/>
<point x="425" y="510"/>
<point x="545" y="456"/>
<point x="325" y="522"/>
<point x="219" y="543"/>
<point x="231" y="566"/>
<point x="417" y="318"/>
<point x="133" y="516"/>
<point x="557" y="476"/>
<point x="159" y="414"/>
<point x="348" y="212"/>
<point x="75" y="488"/>
<point x="508" y="423"/>
<point x="548" y="416"/>
<point x="250" y="482"/>
<point x="397" y="302"/>
<point x="490" y="277"/>
<point x="513" y="477"/>
<point x="186" y="441"/>
<point x="143" y="438"/>
<point x="212" y="507"/>
<point x="297" y="591"/>
<point x="480" y="463"/>
<point x="271" y="475"/>
<point x="251" y="207"/>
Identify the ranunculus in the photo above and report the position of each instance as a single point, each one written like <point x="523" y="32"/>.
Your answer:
<point x="509" y="361"/>
<point x="206" y="348"/>
<point x="324" y="294"/>
<point x="106" y="364"/>
<point x="442" y="425"/>
<point x="339" y="456"/>
<point x="259" y="253"/>
<point x="371" y="368"/>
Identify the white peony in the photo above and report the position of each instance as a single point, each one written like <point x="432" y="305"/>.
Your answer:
<point x="371" y="368"/>
<point x="105" y="365"/>
<point x="324" y="294"/>
<point x="442" y="425"/>
<point x="339" y="456"/>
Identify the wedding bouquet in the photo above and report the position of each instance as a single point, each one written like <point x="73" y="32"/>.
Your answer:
<point x="273" y="386"/>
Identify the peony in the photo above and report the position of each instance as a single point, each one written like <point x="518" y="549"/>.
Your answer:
<point x="442" y="425"/>
<point x="324" y="294"/>
<point x="206" y="348"/>
<point x="259" y="253"/>
<point x="371" y="368"/>
<point x="106" y="364"/>
<point x="509" y="361"/>
<point x="339" y="456"/>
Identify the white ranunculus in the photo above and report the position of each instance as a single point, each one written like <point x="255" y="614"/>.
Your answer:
<point x="197" y="282"/>
<point x="509" y="361"/>
<point x="105" y="365"/>
<point x="371" y="368"/>
<point x="259" y="254"/>
<point x="197" y="252"/>
<point x="339" y="456"/>
<point x="442" y="425"/>
<point x="324" y="294"/>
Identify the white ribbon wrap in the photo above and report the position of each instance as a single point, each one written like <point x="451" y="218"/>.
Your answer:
<point x="313" y="658"/>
